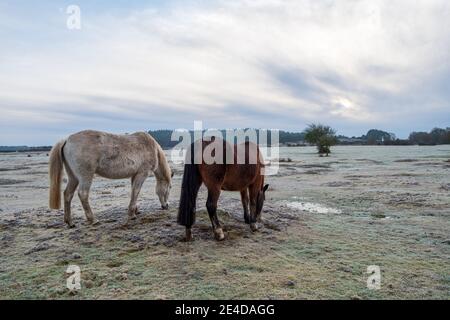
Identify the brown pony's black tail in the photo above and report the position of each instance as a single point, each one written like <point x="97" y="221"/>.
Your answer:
<point x="189" y="190"/>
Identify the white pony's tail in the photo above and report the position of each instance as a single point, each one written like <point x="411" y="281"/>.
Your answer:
<point x="55" y="170"/>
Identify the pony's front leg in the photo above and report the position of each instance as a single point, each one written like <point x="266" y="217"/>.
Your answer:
<point x="211" y="206"/>
<point x="253" y="193"/>
<point x="245" y="201"/>
<point x="188" y="234"/>
<point x="136" y="184"/>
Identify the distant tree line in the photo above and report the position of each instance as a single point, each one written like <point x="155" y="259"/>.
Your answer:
<point x="24" y="148"/>
<point x="379" y="137"/>
<point x="372" y="137"/>
<point x="435" y="136"/>
<point x="164" y="137"/>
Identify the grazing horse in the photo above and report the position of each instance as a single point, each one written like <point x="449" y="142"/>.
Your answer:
<point x="87" y="153"/>
<point x="243" y="176"/>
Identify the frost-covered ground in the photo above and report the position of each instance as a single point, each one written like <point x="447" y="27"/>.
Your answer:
<point x="325" y="221"/>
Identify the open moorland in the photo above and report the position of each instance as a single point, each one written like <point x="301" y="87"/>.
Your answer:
<point x="325" y="221"/>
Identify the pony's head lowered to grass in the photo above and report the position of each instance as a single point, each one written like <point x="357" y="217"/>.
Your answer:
<point x="163" y="176"/>
<point x="260" y="202"/>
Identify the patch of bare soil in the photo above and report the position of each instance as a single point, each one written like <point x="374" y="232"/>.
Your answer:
<point x="407" y="160"/>
<point x="314" y="165"/>
<point x="369" y="161"/>
<point x="357" y="176"/>
<point x="408" y="200"/>
<point x="7" y="182"/>
<point x="18" y="168"/>
<point x="428" y="163"/>
<point x="336" y="184"/>
<point x="404" y="174"/>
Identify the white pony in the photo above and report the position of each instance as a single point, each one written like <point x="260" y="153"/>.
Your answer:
<point x="87" y="153"/>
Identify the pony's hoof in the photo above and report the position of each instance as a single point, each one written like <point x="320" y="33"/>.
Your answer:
<point x="130" y="221"/>
<point x="188" y="236"/>
<point x="218" y="233"/>
<point x="94" y="222"/>
<point x="70" y="225"/>
<point x="253" y="227"/>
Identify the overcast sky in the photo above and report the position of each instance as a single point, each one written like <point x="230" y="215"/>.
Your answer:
<point x="135" y="65"/>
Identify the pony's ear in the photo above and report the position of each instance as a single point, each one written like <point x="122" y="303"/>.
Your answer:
<point x="265" y="188"/>
<point x="171" y="175"/>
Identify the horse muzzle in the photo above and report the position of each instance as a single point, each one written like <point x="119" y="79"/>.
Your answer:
<point x="165" y="207"/>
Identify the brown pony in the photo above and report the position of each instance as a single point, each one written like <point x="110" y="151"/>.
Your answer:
<point x="246" y="178"/>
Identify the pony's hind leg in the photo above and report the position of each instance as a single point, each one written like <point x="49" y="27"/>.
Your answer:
<point x="136" y="184"/>
<point x="83" y="194"/>
<point x="245" y="201"/>
<point x="211" y="206"/>
<point x="72" y="184"/>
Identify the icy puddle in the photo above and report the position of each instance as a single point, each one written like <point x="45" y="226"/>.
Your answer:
<point x="312" y="207"/>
